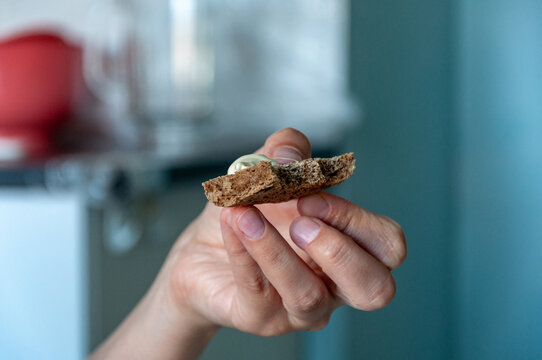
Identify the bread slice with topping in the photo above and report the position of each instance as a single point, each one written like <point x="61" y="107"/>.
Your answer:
<point x="267" y="183"/>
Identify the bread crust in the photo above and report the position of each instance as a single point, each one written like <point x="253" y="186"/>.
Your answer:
<point x="265" y="183"/>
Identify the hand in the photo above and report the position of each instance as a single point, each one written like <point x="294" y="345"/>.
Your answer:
<point x="274" y="268"/>
<point x="267" y="271"/>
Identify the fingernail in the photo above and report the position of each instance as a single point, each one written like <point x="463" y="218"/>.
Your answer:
<point x="314" y="205"/>
<point x="304" y="231"/>
<point x="251" y="224"/>
<point x="287" y="154"/>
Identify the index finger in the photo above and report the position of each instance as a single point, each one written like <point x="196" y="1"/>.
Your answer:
<point x="303" y="293"/>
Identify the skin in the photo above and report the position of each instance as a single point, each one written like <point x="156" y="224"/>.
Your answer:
<point x="266" y="270"/>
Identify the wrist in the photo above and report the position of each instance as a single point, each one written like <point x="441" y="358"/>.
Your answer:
<point x="183" y="319"/>
<point x="174" y="325"/>
<point x="159" y="328"/>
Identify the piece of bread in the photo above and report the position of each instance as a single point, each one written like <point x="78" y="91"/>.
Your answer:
<point x="265" y="183"/>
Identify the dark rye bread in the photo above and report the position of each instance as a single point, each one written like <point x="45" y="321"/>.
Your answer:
<point x="264" y="183"/>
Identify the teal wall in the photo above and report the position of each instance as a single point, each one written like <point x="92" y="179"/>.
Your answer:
<point x="401" y="74"/>
<point x="499" y="179"/>
<point x="400" y="71"/>
<point x="451" y="147"/>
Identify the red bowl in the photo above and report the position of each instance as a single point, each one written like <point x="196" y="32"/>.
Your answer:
<point x="40" y="81"/>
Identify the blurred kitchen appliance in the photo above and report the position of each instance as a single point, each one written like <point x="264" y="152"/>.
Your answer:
<point x="284" y="63"/>
<point x="152" y="63"/>
<point x="248" y="66"/>
<point x="40" y="86"/>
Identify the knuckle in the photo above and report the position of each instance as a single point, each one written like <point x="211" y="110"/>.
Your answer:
<point x="319" y="324"/>
<point x="256" y="283"/>
<point x="346" y="216"/>
<point x="273" y="258"/>
<point x="397" y="250"/>
<point x="272" y="328"/>
<point x="259" y="321"/>
<point x="336" y="252"/>
<point x="381" y="294"/>
<point x="267" y="332"/>
<point x="310" y="302"/>
<point x="238" y="254"/>
<point x="316" y="323"/>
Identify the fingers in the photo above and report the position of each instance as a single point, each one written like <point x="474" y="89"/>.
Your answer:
<point x="286" y="145"/>
<point x="248" y="275"/>
<point x="379" y="235"/>
<point x="362" y="281"/>
<point x="303" y="294"/>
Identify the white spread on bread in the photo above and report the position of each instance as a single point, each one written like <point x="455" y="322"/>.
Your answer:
<point x="247" y="161"/>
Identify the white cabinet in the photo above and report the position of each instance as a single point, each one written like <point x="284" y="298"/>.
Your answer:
<point x="42" y="276"/>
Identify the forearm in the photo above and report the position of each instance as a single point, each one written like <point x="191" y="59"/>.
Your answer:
<point x="157" y="330"/>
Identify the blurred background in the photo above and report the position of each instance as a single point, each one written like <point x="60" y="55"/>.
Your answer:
<point x="112" y="112"/>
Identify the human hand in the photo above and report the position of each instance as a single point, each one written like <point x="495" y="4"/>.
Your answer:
<point x="267" y="270"/>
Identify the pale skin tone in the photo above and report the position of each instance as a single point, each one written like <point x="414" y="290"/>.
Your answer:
<point x="266" y="270"/>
